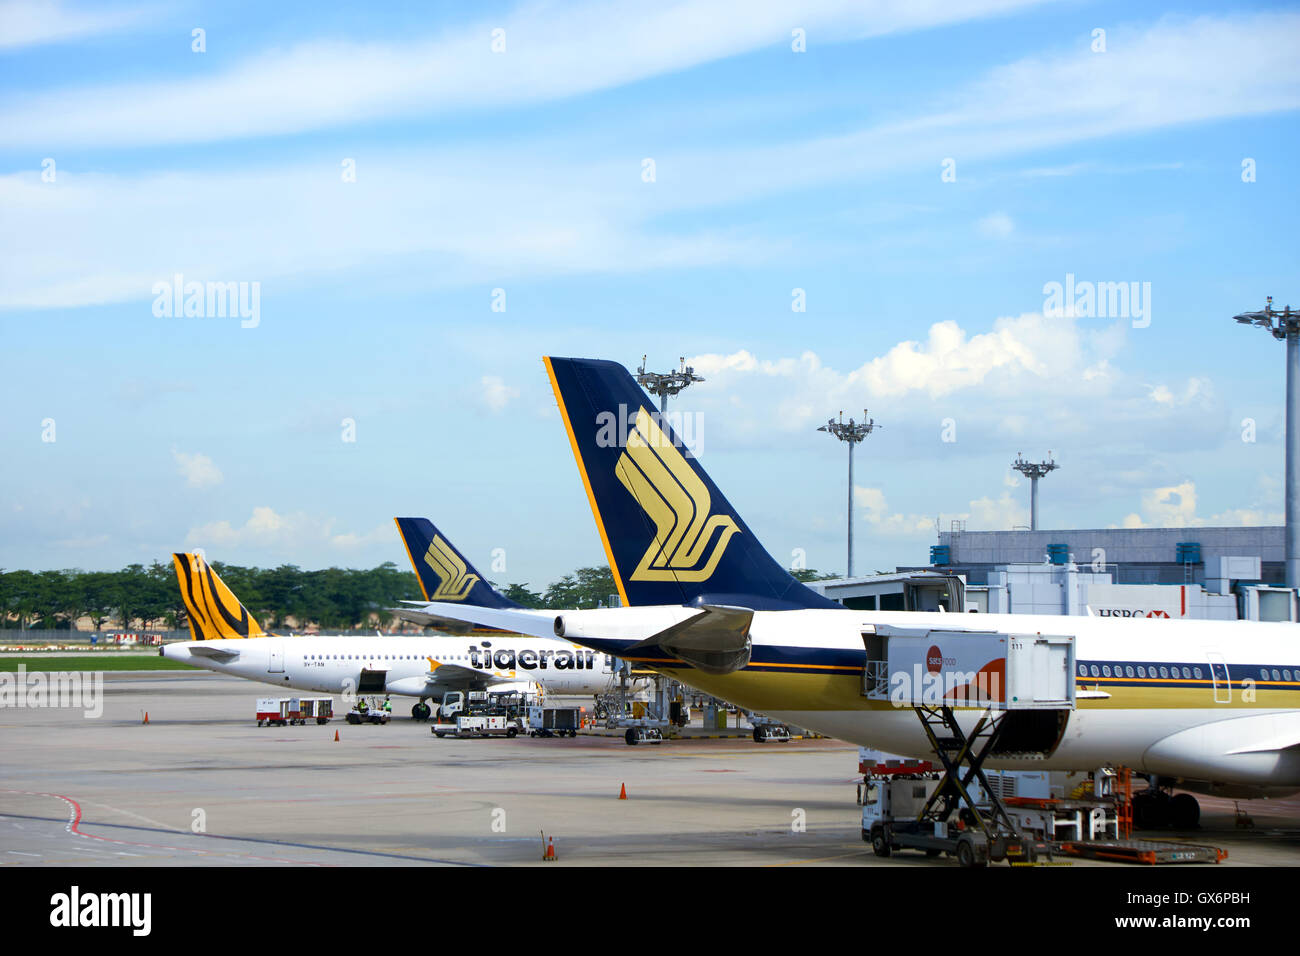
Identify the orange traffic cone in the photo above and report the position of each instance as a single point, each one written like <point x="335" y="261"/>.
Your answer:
<point x="146" y="717"/>
<point x="336" y="736"/>
<point x="622" y="792"/>
<point x="549" y="857"/>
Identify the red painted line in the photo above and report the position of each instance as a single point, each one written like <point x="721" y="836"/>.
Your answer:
<point x="74" y="827"/>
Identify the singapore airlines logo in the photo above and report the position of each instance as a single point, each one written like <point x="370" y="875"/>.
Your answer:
<point x="689" y="542"/>
<point x="454" y="583"/>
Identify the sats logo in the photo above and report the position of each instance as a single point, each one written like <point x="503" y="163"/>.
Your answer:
<point x="935" y="661"/>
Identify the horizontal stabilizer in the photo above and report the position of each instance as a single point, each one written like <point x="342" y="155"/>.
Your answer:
<point x="220" y="655"/>
<point x="715" y="641"/>
<point x="521" y="621"/>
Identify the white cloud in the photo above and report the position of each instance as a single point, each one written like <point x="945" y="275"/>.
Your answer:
<point x="34" y="22"/>
<point x="496" y="393"/>
<point x="197" y="469"/>
<point x="996" y="225"/>
<point x="551" y="52"/>
<point x="1174" y="506"/>
<point x="982" y="514"/>
<point x="269" y="533"/>
<point x="1033" y="374"/>
<point x="481" y="214"/>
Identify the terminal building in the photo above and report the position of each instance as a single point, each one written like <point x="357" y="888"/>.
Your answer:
<point x="1208" y="573"/>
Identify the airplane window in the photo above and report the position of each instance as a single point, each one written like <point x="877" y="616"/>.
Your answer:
<point x="1196" y="671"/>
<point x="1083" y="670"/>
<point x="1142" y="671"/>
<point x="1187" y="673"/>
<point x="1095" y="672"/>
<point x="1276" y="675"/>
<point x="1128" y="672"/>
<point x="1286" y="675"/>
<point x="1105" y="670"/>
<point x="1164" y="671"/>
<point x="1263" y="673"/>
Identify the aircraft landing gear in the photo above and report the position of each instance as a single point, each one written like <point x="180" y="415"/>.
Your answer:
<point x="1156" y="808"/>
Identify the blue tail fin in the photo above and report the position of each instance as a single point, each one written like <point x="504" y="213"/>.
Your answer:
<point x="670" y="535"/>
<point x="444" y="573"/>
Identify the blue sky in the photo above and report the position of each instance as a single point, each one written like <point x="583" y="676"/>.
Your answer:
<point x="524" y="170"/>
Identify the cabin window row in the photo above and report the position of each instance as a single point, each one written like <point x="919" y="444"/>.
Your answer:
<point x="1284" y="674"/>
<point x="1139" y="670"/>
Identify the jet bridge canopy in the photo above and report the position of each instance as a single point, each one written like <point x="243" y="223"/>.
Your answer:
<point x="926" y="667"/>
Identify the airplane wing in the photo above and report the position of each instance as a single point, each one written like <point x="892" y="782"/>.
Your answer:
<point x="715" y="638"/>
<point x="458" y="674"/>
<point x="443" y="677"/>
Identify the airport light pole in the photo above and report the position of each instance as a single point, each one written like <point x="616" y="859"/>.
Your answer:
<point x="1285" y="327"/>
<point x="851" y="432"/>
<point x="1033" y="470"/>
<point x="664" y="384"/>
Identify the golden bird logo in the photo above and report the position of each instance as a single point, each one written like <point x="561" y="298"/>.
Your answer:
<point x="454" y="581"/>
<point x="688" y="542"/>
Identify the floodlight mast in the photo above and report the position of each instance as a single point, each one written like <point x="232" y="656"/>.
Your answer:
<point x="664" y="384"/>
<point x="851" y="432"/>
<point x="1033" y="470"/>
<point x="1284" y="326"/>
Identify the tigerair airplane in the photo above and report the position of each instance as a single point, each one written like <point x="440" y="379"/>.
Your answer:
<point x="1211" y="706"/>
<point x="228" y="639"/>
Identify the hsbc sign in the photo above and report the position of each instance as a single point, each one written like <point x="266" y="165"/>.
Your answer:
<point x="1130" y="612"/>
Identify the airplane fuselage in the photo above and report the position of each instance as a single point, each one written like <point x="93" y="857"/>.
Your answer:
<point x="406" y="666"/>
<point x="1213" y="701"/>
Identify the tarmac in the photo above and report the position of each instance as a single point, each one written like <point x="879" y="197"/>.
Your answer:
<point x="200" y="784"/>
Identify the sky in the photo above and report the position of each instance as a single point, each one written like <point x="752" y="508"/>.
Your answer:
<point x="828" y="206"/>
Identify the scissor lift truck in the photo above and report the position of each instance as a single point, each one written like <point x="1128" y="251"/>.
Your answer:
<point x="1015" y="693"/>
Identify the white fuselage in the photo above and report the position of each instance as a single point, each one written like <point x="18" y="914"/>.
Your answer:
<point x="1215" y="701"/>
<point x="407" y="666"/>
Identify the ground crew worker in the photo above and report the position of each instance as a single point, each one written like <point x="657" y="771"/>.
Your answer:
<point x="388" y="705"/>
<point x="362" y="706"/>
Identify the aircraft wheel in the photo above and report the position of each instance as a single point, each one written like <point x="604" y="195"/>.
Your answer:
<point x="759" y="735"/>
<point x="631" y="737"/>
<point x="1184" y="812"/>
<point x="1151" y="811"/>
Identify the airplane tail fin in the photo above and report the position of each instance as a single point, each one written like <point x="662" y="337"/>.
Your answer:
<point x="445" y="574"/>
<point x="213" y="611"/>
<point x="670" y="534"/>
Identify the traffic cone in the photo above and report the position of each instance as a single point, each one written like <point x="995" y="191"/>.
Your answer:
<point x="336" y="736"/>
<point x="550" y="851"/>
<point x="622" y="792"/>
<point x="146" y="717"/>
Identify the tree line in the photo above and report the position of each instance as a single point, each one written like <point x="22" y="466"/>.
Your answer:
<point x="148" y="598"/>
